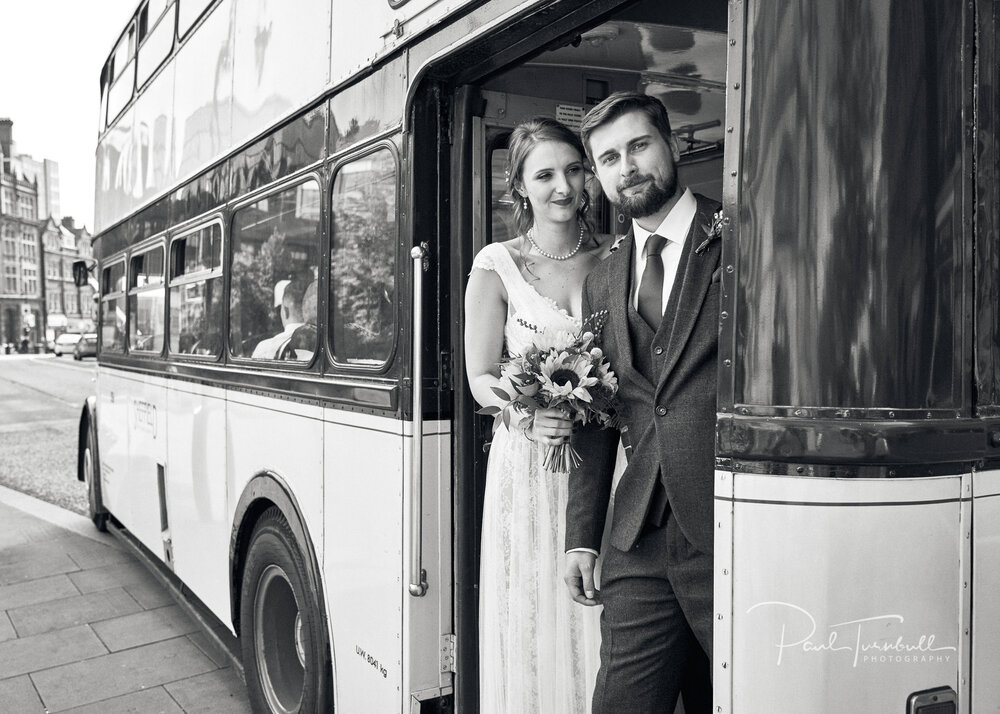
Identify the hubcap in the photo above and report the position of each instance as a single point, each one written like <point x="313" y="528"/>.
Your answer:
<point x="279" y="642"/>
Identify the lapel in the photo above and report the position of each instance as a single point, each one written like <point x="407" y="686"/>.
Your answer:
<point x="695" y="272"/>
<point x="619" y="288"/>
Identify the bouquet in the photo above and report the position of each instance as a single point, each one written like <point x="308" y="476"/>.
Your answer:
<point x="563" y="370"/>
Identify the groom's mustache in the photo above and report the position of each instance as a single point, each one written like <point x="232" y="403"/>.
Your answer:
<point x="634" y="181"/>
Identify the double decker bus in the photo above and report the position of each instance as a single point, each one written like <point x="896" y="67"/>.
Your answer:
<point x="289" y="198"/>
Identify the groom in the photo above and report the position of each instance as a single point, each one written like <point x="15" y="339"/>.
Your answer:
<point x="661" y="291"/>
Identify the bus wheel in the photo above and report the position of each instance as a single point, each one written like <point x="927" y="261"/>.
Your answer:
<point x="282" y="632"/>
<point x="90" y="474"/>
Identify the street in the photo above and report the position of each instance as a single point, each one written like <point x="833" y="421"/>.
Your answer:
<point x="41" y="397"/>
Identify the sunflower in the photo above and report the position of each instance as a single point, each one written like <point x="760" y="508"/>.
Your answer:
<point x="564" y="375"/>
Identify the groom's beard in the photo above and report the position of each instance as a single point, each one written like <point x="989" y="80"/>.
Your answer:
<point x="652" y="198"/>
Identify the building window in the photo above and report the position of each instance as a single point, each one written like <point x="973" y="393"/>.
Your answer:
<point x="10" y="279"/>
<point x="30" y="275"/>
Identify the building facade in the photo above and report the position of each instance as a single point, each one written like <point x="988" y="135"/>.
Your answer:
<point x="68" y="308"/>
<point x="29" y="195"/>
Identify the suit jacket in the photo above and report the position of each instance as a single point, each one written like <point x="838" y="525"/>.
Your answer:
<point x="668" y="414"/>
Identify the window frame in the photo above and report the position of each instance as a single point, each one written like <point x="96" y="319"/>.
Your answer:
<point x="132" y="290"/>
<point x="220" y="273"/>
<point x="107" y="296"/>
<point x="289" y="184"/>
<point x="399" y="268"/>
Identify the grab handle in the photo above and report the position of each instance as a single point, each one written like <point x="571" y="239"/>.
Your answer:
<point x="417" y="576"/>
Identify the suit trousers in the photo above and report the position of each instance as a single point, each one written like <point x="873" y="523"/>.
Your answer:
<point x="656" y="627"/>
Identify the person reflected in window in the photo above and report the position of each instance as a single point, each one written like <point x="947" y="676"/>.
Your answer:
<point x="288" y="295"/>
<point x="302" y="344"/>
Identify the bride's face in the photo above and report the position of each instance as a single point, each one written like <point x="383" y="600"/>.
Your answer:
<point x="553" y="178"/>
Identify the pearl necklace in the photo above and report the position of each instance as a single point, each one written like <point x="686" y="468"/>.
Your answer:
<point x="569" y="255"/>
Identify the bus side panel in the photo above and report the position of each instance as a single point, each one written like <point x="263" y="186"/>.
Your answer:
<point x="373" y="33"/>
<point x="428" y="617"/>
<point x="146" y="418"/>
<point x="846" y="594"/>
<point x="283" y="438"/>
<point x="197" y="504"/>
<point x="202" y="110"/>
<point x="985" y="586"/>
<point x="112" y="436"/>
<point x="364" y="564"/>
<point x="280" y="60"/>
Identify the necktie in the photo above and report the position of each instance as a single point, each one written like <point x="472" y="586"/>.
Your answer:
<point x="651" y="285"/>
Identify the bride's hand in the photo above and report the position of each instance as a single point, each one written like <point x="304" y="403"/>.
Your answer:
<point x="552" y="427"/>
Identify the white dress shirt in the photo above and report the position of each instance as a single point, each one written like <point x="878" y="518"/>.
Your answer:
<point x="674" y="228"/>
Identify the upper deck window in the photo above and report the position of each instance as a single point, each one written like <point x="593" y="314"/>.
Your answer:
<point x="188" y="12"/>
<point x="120" y="74"/>
<point x="156" y="37"/>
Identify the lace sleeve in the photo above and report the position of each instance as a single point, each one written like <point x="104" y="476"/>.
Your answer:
<point x="486" y="258"/>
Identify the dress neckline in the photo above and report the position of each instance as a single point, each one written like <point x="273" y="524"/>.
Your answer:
<point x="550" y="301"/>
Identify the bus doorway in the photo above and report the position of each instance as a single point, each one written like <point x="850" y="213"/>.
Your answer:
<point x="674" y="51"/>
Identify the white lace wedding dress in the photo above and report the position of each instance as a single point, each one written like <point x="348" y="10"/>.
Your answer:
<point x="538" y="650"/>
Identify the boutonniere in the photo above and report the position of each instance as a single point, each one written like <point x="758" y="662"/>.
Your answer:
<point x="616" y="244"/>
<point x="713" y="232"/>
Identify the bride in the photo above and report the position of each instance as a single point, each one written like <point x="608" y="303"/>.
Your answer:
<point x="539" y="651"/>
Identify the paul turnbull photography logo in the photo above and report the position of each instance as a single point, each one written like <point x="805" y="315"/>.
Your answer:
<point x="876" y="639"/>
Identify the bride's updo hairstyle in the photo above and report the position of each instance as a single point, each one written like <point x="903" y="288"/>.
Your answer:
<point x="525" y="137"/>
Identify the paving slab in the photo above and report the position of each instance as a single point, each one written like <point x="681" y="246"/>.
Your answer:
<point x="119" y="673"/>
<point x="86" y="628"/>
<point x="18" y="695"/>
<point x="76" y="610"/>
<point x="150" y="701"/>
<point x="145" y="627"/>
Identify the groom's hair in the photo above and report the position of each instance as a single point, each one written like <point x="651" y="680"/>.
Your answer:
<point x="621" y="103"/>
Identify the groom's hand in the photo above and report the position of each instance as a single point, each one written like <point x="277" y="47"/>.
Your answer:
<point x="580" y="577"/>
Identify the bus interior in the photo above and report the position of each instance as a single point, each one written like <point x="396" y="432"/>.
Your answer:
<point x="674" y="51"/>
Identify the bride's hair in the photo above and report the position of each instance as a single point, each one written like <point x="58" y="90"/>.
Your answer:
<point x="523" y="139"/>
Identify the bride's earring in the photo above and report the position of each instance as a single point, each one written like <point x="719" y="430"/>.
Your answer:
<point x="524" y="203"/>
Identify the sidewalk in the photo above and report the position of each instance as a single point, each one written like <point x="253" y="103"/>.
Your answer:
<point x="85" y="627"/>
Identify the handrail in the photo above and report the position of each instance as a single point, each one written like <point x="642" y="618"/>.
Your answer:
<point x="417" y="575"/>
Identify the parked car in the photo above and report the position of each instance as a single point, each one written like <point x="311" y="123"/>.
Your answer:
<point x="86" y="347"/>
<point x="65" y="343"/>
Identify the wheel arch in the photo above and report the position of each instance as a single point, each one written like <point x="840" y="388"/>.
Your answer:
<point x="263" y="491"/>
<point x="88" y="420"/>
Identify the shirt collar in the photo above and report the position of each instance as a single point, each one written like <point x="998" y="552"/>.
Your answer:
<point x="675" y="225"/>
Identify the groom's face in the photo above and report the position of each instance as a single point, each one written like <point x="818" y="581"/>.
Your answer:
<point x="635" y="164"/>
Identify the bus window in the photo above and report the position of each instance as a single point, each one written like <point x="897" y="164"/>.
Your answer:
<point x="188" y="12"/>
<point x="362" y="260"/>
<point x="196" y="292"/>
<point x="113" y="308"/>
<point x="121" y="74"/>
<point x="156" y="33"/>
<point x="145" y="301"/>
<point x="275" y="246"/>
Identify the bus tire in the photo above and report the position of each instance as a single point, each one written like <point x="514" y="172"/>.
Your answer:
<point x="90" y="475"/>
<point x="283" y="638"/>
